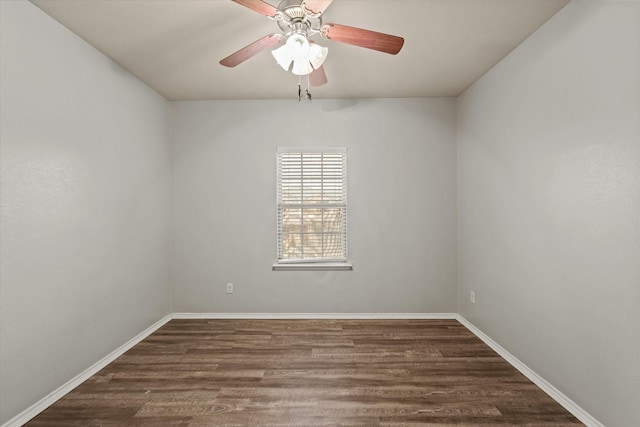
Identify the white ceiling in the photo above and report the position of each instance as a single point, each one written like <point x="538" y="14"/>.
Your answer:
<point x="174" y="45"/>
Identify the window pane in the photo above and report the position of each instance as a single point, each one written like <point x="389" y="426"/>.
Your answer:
<point x="313" y="245"/>
<point x="312" y="220"/>
<point x="332" y="220"/>
<point x="291" y="220"/>
<point x="291" y="246"/>
<point x="332" y="245"/>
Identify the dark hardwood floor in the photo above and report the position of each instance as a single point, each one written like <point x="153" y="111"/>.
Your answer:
<point x="196" y="373"/>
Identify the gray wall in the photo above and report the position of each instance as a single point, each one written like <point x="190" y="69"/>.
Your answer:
<point x="85" y="206"/>
<point x="549" y="206"/>
<point x="401" y="183"/>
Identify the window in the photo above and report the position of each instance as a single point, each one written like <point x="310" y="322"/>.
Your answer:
<point x="312" y="205"/>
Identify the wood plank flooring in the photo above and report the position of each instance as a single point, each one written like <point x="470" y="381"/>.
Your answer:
<point x="193" y="373"/>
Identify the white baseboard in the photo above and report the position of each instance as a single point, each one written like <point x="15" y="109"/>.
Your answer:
<point x="29" y="413"/>
<point x="547" y="387"/>
<point x="339" y="316"/>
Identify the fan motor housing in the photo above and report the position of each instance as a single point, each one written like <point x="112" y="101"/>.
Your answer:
<point x="292" y="18"/>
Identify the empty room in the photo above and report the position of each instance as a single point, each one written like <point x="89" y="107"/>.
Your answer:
<point x="319" y="213"/>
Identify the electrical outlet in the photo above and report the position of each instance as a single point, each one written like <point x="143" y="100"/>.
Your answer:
<point x="472" y="297"/>
<point x="229" y="288"/>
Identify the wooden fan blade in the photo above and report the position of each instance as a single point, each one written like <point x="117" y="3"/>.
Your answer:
<point x="318" y="77"/>
<point x="248" y="51"/>
<point x="259" y="6"/>
<point x="364" y="38"/>
<point x="315" y="7"/>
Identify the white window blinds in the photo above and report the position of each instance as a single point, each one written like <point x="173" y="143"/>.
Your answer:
<point x="312" y="204"/>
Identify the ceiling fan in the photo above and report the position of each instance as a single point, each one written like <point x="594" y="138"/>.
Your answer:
<point x="299" y="20"/>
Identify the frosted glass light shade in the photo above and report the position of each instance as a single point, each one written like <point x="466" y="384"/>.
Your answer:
<point x="317" y="55"/>
<point x="301" y="68"/>
<point x="304" y="56"/>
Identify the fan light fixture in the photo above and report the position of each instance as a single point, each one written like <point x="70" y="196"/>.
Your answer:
<point x="305" y="56"/>
<point x="299" y="21"/>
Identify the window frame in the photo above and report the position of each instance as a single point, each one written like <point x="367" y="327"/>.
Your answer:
<point x="321" y="263"/>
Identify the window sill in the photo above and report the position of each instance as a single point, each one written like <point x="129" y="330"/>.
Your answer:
<point x="313" y="266"/>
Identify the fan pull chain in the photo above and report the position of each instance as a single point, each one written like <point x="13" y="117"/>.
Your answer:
<point x="307" y="94"/>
